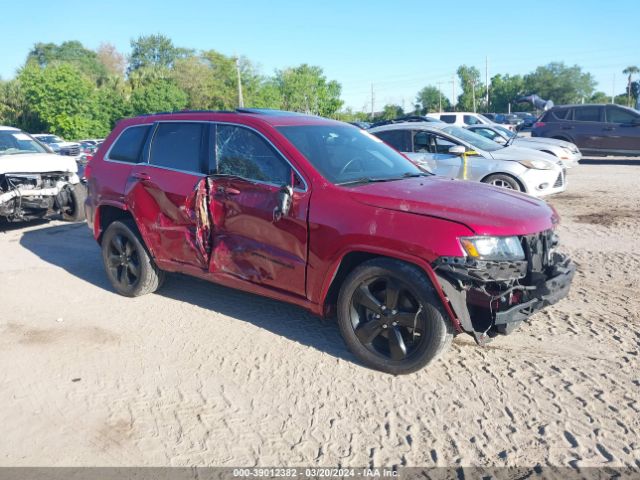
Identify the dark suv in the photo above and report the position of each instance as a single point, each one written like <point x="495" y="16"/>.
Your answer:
<point x="324" y="215"/>
<point x="596" y="129"/>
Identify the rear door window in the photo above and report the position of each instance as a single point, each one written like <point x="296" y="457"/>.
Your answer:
<point x="242" y="152"/>
<point x="470" y="120"/>
<point x="618" y="115"/>
<point x="422" y="142"/>
<point x="128" y="146"/>
<point x="586" y="114"/>
<point x="398" y="139"/>
<point x="178" y="146"/>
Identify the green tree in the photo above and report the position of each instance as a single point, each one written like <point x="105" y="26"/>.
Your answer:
<point x="560" y="83"/>
<point x="471" y="88"/>
<point x="630" y="71"/>
<point x="158" y="95"/>
<point x="431" y="99"/>
<point x="600" y="97"/>
<point x="155" y="51"/>
<point x="61" y="97"/>
<point x="72" y="53"/>
<point x="305" y="89"/>
<point x="389" y="112"/>
<point x="503" y="90"/>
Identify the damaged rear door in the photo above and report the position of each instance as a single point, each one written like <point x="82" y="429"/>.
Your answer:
<point x="168" y="194"/>
<point x="250" y="240"/>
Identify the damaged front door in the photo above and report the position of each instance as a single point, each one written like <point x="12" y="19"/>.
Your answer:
<point x="254" y="237"/>
<point x="168" y="195"/>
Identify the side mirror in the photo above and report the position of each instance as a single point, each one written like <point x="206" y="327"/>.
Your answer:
<point x="285" y="199"/>
<point x="457" y="150"/>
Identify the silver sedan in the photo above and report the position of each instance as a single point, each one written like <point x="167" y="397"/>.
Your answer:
<point x="567" y="152"/>
<point x="455" y="152"/>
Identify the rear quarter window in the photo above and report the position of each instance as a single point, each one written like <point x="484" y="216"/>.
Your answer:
<point x="398" y="139"/>
<point x="128" y="146"/>
<point x="178" y="146"/>
<point x="448" y="118"/>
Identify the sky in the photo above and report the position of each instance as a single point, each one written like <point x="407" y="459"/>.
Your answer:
<point x="397" y="47"/>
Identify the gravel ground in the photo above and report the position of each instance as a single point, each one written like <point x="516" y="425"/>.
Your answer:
<point x="199" y="374"/>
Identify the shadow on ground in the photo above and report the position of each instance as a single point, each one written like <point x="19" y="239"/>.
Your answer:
<point x="633" y="162"/>
<point x="72" y="248"/>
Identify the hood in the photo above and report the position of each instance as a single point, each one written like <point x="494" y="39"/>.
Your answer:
<point x="37" y="163"/>
<point x="521" y="153"/>
<point x="484" y="209"/>
<point x="545" y="140"/>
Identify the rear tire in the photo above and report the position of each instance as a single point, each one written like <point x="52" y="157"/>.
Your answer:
<point x="503" y="181"/>
<point x="74" y="211"/>
<point x="390" y="317"/>
<point x="129" y="267"/>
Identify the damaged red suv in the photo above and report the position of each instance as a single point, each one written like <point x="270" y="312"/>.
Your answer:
<point x="326" y="216"/>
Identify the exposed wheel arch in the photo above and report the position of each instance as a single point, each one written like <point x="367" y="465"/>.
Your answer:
<point x="520" y="184"/>
<point x="351" y="260"/>
<point x="107" y="214"/>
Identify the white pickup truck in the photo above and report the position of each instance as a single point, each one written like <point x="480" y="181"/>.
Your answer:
<point x="34" y="182"/>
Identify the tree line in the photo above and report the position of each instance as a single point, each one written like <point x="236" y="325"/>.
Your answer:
<point x="77" y="92"/>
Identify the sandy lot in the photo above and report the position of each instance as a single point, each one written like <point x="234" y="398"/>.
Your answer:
<point x="202" y="375"/>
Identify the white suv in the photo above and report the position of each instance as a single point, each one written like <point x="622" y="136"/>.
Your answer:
<point x="462" y="119"/>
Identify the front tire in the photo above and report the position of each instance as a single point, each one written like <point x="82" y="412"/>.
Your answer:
<point x="503" y="181"/>
<point x="129" y="267"/>
<point x="390" y="317"/>
<point x="74" y="210"/>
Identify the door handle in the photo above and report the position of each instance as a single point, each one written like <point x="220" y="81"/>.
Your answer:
<point x="142" y="176"/>
<point x="568" y="127"/>
<point x="609" y="128"/>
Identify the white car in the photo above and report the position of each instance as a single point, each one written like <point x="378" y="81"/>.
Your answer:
<point x="34" y="182"/>
<point x="455" y="152"/>
<point x="462" y="119"/>
<point x="58" y="145"/>
<point x="567" y="152"/>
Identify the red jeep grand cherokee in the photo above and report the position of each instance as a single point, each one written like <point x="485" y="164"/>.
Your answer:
<point x="323" y="215"/>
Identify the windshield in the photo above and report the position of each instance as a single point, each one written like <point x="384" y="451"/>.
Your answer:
<point x="504" y="131"/>
<point x="347" y="154"/>
<point x="13" y="142"/>
<point x="475" y="140"/>
<point x="50" y="139"/>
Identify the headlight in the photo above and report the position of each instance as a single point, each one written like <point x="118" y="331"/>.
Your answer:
<point x="537" y="164"/>
<point x="493" y="248"/>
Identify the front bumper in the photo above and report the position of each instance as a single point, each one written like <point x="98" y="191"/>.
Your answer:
<point x="490" y="298"/>
<point x="551" y="291"/>
<point x="540" y="183"/>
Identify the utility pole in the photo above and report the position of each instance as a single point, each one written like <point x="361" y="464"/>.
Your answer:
<point x="486" y="82"/>
<point x="453" y="84"/>
<point x="240" y="99"/>
<point x="613" y="88"/>
<point x="473" y="94"/>
<point x="372" y="102"/>
<point x="439" y="97"/>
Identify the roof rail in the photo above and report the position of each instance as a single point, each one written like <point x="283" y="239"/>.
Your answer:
<point x="175" y="112"/>
<point x="408" y="118"/>
<point x="271" y="111"/>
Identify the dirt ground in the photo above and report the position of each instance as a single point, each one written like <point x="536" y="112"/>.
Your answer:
<point x="198" y="374"/>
